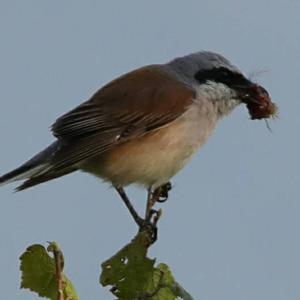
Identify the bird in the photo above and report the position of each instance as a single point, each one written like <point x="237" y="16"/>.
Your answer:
<point x="143" y="127"/>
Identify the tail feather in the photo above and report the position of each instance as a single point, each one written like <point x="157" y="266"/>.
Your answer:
<point x="36" y="170"/>
<point x="23" y="172"/>
<point x="32" y="181"/>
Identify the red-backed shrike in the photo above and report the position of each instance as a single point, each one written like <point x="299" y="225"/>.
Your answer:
<point x="144" y="126"/>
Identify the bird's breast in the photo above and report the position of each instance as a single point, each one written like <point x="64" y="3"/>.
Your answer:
<point x="152" y="159"/>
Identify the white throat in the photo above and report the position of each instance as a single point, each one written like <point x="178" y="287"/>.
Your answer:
<point x="222" y="98"/>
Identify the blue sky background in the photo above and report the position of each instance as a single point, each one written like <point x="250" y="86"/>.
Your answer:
<point x="230" y="229"/>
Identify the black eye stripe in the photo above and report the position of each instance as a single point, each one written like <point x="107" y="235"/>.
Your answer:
<point x="222" y="75"/>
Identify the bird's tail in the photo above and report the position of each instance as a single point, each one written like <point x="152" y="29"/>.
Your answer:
<point x="36" y="170"/>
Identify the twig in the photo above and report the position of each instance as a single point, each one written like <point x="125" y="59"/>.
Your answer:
<point x="151" y="199"/>
<point x="59" y="265"/>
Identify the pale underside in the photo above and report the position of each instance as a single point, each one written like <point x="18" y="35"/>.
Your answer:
<point x="151" y="160"/>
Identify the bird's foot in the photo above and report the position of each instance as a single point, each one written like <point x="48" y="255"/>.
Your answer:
<point x="149" y="225"/>
<point x="161" y="194"/>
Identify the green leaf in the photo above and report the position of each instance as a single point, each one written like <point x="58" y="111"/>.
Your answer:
<point x="133" y="275"/>
<point x="39" y="273"/>
<point x="166" y="286"/>
<point x="128" y="271"/>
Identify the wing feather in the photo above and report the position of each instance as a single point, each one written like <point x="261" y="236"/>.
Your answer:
<point x="130" y="106"/>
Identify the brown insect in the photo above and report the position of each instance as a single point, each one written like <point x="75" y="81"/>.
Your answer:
<point x="259" y="103"/>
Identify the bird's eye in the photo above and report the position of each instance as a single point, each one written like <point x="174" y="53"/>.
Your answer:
<point x="220" y="75"/>
<point x="224" y="76"/>
<point x="224" y="73"/>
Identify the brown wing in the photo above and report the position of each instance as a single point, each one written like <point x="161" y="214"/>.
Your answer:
<point x="130" y="106"/>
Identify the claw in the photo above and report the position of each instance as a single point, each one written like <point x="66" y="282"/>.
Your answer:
<point x="162" y="192"/>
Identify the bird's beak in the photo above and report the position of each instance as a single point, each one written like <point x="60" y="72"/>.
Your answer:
<point x="257" y="100"/>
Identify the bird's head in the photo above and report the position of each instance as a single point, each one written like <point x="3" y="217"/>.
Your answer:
<point x="214" y="73"/>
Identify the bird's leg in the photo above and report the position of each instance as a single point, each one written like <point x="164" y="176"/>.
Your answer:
<point x="138" y="220"/>
<point x="162" y="192"/>
<point x="151" y="199"/>
<point x="151" y="218"/>
<point x="149" y="224"/>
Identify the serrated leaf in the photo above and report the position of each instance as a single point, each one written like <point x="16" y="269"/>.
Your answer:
<point x="39" y="274"/>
